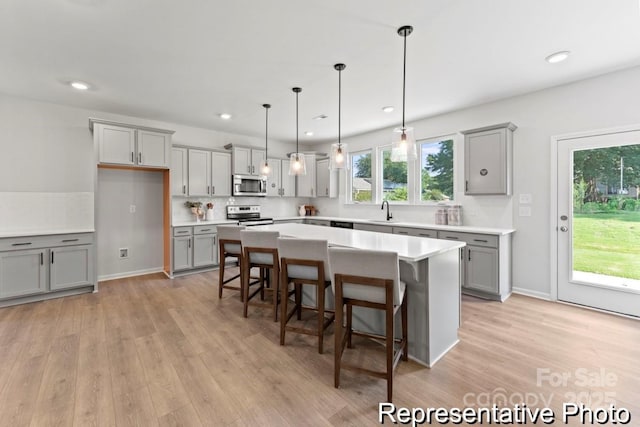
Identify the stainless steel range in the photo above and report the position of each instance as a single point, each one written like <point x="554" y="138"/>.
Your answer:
<point x="247" y="215"/>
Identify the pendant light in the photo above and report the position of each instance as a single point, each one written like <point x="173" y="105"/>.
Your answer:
<point x="265" y="169"/>
<point x="403" y="146"/>
<point x="339" y="150"/>
<point x="297" y="164"/>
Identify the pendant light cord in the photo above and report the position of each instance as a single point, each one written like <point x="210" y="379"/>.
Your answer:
<point x="404" y="78"/>
<point x="297" y="149"/>
<point x="339" y="105"/>
<point x="266" y="134"/>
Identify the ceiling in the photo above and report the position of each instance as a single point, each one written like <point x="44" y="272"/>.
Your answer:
<point x="187" y="62"/>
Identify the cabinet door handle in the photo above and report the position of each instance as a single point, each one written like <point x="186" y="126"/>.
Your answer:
<point x="213" y="189"/>
<point x="189" y="243"/>
<point x="403" y="232"/>
<point x="469" y="252"/>
<point x="52" y="257"/>
<point x="451" y="238"/>
<point x="481" y="240"/>
<point x="424" y="235"/>
<point x="21" y="244"/>
<point x="466" y="186"/>
<point x="41" y="258"/>
<point x="248" y="169"/>
<point x="184" y="189"/>
<point x="208" y="189"/>
<point x="132" y="157"/>
<point x="140" y="157"/>
<point x="69" y="240"/>
<point x="205" y="229"/>
<point x="182" y="232"/>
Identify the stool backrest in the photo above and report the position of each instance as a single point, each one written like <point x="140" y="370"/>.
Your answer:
<point x="365" y="263"/>
<point x="305" y="249"/>
<point x="259" y="239"/>
<point x="229" y="232"/>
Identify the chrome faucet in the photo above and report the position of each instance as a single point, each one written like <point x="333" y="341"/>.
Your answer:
<point x="389" y="216"/>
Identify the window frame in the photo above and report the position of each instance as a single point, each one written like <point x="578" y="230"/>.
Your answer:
<point x="418" y="177"/>
<point x="349" y="180"/>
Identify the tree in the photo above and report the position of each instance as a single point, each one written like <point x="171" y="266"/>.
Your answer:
<point x="363" y="166"/>
<point x="439" y="167"/>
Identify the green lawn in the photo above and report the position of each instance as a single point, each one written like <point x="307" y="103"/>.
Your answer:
<point x="607" y="243"/>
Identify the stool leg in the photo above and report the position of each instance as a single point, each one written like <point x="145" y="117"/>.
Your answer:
<point x="405" y="332"/>
<point x="284" y="300"/>
<point x="241" y="268"/>
<point x="221" y="273"/>
<point x="389" y="347"/>
<point x="245" y="286"/>
<point x="275" y="275"/>
<point x="338" y="339"/>
<point x="299" y="301"/>
<point x="349" y="327"/>
<point x="320" y="305"/>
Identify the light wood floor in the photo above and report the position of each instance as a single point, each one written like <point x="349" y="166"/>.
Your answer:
<point x="151" y="351"/>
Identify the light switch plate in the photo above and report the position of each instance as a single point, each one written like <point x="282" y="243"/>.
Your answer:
<point x="526" y="199"/>
<point x="525" y="210"/>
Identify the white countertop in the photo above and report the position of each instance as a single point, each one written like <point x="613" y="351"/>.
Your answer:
<point x="409" y="248"/>
<point x="422" y="225"/>
<point x="29" y="233"/>
<point x="214" y="222"/>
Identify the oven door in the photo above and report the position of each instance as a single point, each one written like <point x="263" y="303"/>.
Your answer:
<point x="245" y="185"/>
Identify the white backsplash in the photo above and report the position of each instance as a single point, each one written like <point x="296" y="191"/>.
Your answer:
<point x="31" y="211"/>
<point x="272" y="207"/>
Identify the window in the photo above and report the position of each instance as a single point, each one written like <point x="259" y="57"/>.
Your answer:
<point x="394" y="178"/>
<point x="436" y="170"/>
<point x="361" y="185"/>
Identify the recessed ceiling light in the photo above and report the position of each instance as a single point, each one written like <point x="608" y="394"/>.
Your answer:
<point x="556" y="57"/>
<point x="308" y="133"/>
<point x="225" y="116"/>
<point x="387" y="109"/>
<point x="320" y="117"/>
<point x="79" y="85"/>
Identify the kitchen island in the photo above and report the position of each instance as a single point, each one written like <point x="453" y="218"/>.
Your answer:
<point x="429" y="267"/>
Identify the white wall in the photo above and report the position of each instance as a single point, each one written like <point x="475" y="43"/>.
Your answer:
<point x="601" y="102"/>
<point x="48" y="148"/>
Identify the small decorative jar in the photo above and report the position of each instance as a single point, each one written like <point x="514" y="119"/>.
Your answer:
<point x="454" y="215"/>
<point x="441" y="216"/>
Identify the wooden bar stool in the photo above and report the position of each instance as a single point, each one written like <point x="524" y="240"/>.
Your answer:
<point x="230" y="246"/>
<point x="260" y="249"/>
<point x="369" y="279"/>
<point x="305" y="263"/>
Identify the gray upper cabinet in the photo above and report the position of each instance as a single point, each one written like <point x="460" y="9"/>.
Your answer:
<point x="279" y="182"/>
<point x="199" y="173"/>
<point x="246" y="161"/>
<point x="130" y="145"/>
<point x="220" y="174"/>
<point x="179" y="171"/>
<point x="23" y="273"/>
<point x="327" y="180"/>
<point x="306" y="184"/>
<point x="153" y="148"/>
<point x="488" y="154"/>
<point x="288" y="181"/>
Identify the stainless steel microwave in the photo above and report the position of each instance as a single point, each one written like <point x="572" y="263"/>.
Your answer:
<point x="248" y="185"/>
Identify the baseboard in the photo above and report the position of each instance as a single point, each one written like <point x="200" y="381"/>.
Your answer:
<point x="533" y="294"/>
<point x="123" y="275"/>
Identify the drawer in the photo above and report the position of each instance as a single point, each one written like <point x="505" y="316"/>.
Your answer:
<point x="49" y="241"/>
<point x="470" y="238"/>
<point x="418" y="232"/>
<point x="204" y="229"/>
<point x="182" y="231"/>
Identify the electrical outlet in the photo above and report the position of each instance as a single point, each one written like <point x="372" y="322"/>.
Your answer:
<point x="132" y="208"/>
<point x="525" y="211"/>
<point x="123" y="253"/>
<point x="526" y="199"/>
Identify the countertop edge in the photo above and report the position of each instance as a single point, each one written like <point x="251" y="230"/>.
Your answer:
<point x="32" y="233"/>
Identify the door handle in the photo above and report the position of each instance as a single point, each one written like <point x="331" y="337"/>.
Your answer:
<point x="564" y="228"/>
<point x="52" y="257"/>
<point x="140" y="157"/>
<point x="213" y="189"/>
<point x="184" y="189"/>
<point x="132" y="157"/>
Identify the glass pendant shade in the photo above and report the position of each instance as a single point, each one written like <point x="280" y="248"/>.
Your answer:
<point x="403" y="145"/>
<point x="338" y="157"/>
<point x="265" y="169"/>
<point x="297" y="164"/>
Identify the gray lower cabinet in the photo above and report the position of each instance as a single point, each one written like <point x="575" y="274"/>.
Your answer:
<point x="182" y="253"/>
<point x="418" y="232"/>
<point x="194" y="247"/>
<point x="52" y="264"/>
<point x="71" y="267"/>
<point x="205" y="252"/>
<point x="322" y="222"/>
<point x="486" y="264"/>
<point x="22" y="273"/>
<point x="372" y="227"/>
